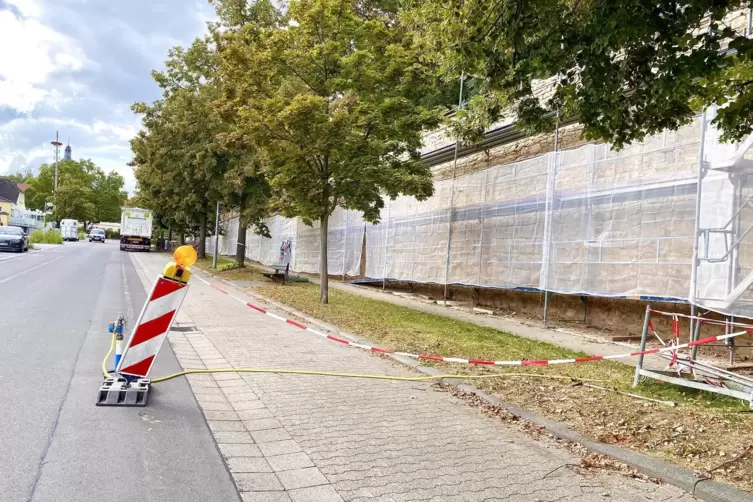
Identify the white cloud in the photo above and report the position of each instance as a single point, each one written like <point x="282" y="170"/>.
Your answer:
<point x="31" y="53"/>
<point x="76" y="66"/>
<point x="121" y="132"/>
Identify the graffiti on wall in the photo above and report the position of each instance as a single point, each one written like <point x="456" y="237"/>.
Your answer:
<point x="286" y="249"/>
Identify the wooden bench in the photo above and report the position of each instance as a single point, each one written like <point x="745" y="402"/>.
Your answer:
<point x="279" y="273"/>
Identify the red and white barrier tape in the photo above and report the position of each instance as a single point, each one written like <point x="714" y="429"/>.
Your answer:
<point x="461" y="360"/>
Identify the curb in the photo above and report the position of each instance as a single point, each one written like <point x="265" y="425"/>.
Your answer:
<point x="700" y="487"/>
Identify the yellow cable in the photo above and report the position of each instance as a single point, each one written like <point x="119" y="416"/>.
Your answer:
<point x="109" y="353"/>
<point x="344" y="375"/>
<point x="360" y="375"/>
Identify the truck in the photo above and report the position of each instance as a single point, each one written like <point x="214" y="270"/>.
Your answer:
<point x="69" y="229"/>
<point x="135" y="229"/>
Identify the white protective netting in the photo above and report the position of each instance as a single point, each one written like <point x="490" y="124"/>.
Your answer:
<point x="298" y="244"/>
<point x="590" y="220"/>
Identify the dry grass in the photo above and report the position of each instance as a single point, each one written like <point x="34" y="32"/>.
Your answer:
<point x="703" y="432"/>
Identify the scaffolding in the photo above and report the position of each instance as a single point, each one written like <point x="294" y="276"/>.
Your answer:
<point x="587" y="221"/>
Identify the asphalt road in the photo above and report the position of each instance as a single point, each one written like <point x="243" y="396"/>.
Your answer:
<point x="55" y="444"/>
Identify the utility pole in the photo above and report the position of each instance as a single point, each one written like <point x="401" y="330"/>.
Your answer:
<point x="57" y="145"/>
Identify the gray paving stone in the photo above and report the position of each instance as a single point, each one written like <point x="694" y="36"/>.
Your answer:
<point x="279" y="448"/>
<point x="265" y="497"/>
<point x="315" y="494"/>
<point x="248" y="464"/>
<point x="261" y="424"/>
<point x="289" y="461"/>
<point x="239" y="450"/>
<point x="215" y="406"/>
<point x="210" y="398"/>
<point x="233" y="437"/>
<point x="302" y="478"/>
<point x="241" y="397"/>
<point x="252" y="482"/>
<point x="255" y="414"/>
<point x="221" y="415"/>
<point x="268" y="435"/>
<point x="248" y="405"/>
<point x="226" y="426"/>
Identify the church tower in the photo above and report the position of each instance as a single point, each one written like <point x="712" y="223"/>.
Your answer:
<point x="68" y="151"/>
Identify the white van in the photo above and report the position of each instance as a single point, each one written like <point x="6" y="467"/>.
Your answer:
<point x="69" y="229"/>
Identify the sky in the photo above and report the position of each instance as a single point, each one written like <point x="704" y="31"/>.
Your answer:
<point x="76" y="66"/>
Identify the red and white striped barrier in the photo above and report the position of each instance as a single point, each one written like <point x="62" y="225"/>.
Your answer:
<point x="481" y="362"/>
<point x="152" y="326"/>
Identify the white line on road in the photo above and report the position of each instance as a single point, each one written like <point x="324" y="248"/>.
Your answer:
<point x="129" y="304"/>
<point x="29" y="270"/>
<point x="21" y="255"/>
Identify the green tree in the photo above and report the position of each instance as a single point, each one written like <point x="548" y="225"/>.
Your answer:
<point x="186" y="160"/>
<point x="109" y="196"/>
<point x="74" y="201"/>
<point x="332" y="95"/>
<point x="624" y="69"/>
<point x="181" y="164"/>
<point x="85" y="192"/>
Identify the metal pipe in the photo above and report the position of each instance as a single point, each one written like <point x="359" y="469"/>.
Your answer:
<point x="452" y="198"/>
<point x="217" y="235"/>
<point x="696" y="335"/>
<point x="694" y="265"/>
<point x="548" y="220"/>
<point x="386" y="236"/>
<point x="644" y="338"/>
<point x="710" y="370"/>
<point x="481" y="237"/>
<point x="345" y="242"/>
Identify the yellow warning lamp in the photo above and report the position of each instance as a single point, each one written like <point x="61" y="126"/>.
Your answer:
<point x="180" y="268"/>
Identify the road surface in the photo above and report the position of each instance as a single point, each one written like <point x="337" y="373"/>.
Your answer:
<point x="56" y="444"/>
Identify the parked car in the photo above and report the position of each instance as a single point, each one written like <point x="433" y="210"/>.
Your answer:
<point x="13" y="239"/>
<point x="97" y="235"/>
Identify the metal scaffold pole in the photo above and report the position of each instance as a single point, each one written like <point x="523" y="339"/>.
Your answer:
<point x="694" y="265"/>
<point x="548" y="220"/>
<point x="452" y="199"/>
<point x="345" y="243"/>
<point x="216" y="235"/>
<point x="386" y="236"/>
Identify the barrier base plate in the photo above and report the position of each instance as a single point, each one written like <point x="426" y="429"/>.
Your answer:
<point x="117" y="391"/>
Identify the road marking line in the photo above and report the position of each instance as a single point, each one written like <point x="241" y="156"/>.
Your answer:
<point x="29" y="270"/>
<point x="31" y="252"/>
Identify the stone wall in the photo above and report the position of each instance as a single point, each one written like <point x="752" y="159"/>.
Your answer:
<point x="526" y="148"/>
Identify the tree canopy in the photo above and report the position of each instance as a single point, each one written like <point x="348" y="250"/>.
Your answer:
<point x="623" y="69"/>
<point x="85" y="192"/>
<point x="332" y="96"/>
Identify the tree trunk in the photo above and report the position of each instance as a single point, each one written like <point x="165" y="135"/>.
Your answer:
<point x="169" y="239"/>
<point x="240" y="246"/>
<point x="203" y="235"/>
<point x="182" y="238"/>
<point x="323" y="272"/>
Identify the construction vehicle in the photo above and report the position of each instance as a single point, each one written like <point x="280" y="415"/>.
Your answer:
<point x="135" y="229"/>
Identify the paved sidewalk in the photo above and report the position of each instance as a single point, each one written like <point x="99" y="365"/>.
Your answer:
<point x="311" y="438"/>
